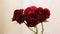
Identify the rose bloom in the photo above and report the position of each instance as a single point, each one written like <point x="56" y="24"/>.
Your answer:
<point x="30" y="16"/>
<point x="43" y="14"/>
<point x="18" y="16"/>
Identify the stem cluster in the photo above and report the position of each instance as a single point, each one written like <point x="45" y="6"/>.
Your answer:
<point x="36" y="32"/>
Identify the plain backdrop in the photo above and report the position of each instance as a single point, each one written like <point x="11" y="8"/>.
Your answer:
<point x="7" y="8"/>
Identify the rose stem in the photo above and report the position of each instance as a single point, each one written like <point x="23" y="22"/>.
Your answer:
<point x="29" y="28"/>
<point x="42" y="28"/>
<point x="36" y="30"/>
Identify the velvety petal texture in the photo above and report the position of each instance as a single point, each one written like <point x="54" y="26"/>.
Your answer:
<point x="43" y="14"/>
<point x="32" y="15"/>
<point x="18" y="16"/>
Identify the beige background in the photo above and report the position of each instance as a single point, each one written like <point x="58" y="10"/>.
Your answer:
<point x="7" y="8"/>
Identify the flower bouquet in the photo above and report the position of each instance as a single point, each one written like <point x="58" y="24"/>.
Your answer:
<point x="33" y="16"/>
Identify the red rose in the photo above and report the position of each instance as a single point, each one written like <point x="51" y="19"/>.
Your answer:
<point x="18" y="16"/>
<point x="43" y="14"/>
<point x="31" y="16"/>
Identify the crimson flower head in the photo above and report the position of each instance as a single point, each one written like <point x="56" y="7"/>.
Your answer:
<point x="31" y="16"/>
<point x="43" y="14"/>
<point x="18" y="16"/>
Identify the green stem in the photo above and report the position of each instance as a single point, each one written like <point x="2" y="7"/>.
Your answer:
<point x="29" y="28"/>
<point x="42" y="28"/>
<point x="36" y="30"/>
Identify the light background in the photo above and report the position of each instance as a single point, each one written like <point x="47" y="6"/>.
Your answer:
<point x="7" y="8"/>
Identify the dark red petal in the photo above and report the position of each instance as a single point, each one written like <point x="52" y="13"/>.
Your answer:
<point x="18" y="16"/>
<point x="47" y="11"/>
